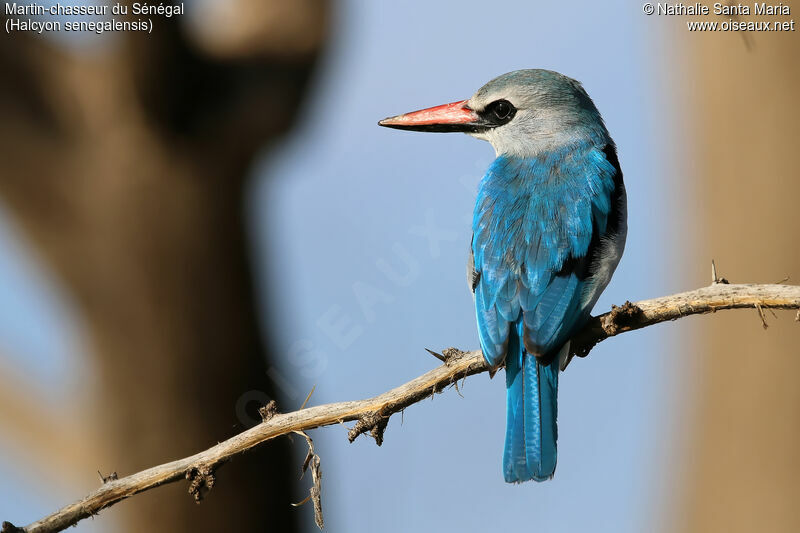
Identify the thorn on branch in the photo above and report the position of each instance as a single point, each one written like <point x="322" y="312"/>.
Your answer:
<point x="375" y="423"/>
<point x="455" y="384"/>
<point x="762" y="316"/>
<point x="437" y="355"/>
<point x="201" y="481"/>
<point x="268" y="411"/>
<point x="105" y="479"/>
<point x="714" y="279"/>
<point x="315" y="492"/>
<point x="448" y="355"/>
<point x="305" y="402"/>
<point x="620" y="318"/>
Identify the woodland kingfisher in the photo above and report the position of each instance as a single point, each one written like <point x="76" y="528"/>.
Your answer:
<point x="548" y="231"/>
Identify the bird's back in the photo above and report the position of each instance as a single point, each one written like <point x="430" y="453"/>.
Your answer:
<point x="536" y="224"/>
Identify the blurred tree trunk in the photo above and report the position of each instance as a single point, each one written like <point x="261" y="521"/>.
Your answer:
<point x="744" y="469"/>
<point x="126" y="165"/>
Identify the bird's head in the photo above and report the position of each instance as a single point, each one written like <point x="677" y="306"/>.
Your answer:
<point x="521" y="113"/>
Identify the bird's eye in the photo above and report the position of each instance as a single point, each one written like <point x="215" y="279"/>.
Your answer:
<point x="502" y="110"/>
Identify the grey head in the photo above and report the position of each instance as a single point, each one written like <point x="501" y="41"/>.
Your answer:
<point x="549" y="110"/>
<point x="521" y="113"/>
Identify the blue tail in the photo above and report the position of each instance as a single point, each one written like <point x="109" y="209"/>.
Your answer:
<point x="531" y="433"/>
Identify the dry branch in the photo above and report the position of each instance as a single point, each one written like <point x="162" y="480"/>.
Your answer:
<point x="373" y="414"/>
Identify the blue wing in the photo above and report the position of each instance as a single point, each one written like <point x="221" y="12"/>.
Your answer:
<point x="535" y="225"/>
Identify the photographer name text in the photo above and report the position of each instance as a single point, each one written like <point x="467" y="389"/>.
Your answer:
<point x="719" y="8"/>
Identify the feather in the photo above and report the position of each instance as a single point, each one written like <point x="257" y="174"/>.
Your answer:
<point x="536" y="230"/>
<point x="531" y="411"/>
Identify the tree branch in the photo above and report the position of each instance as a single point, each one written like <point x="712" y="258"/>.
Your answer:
<point x="373" y="414"/>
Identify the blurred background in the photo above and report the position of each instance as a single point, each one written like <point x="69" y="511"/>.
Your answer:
<point x="199" y="220"/>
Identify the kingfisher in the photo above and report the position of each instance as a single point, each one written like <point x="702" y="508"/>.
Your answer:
<point x="548" y="231"/>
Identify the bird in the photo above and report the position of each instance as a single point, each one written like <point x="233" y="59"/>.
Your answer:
<point x="548" y="231"/>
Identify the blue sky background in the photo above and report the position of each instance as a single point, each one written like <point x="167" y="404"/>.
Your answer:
<point x="367" y="229"/>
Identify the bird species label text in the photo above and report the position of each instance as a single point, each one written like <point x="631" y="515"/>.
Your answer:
<point x="39" y="18"/>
